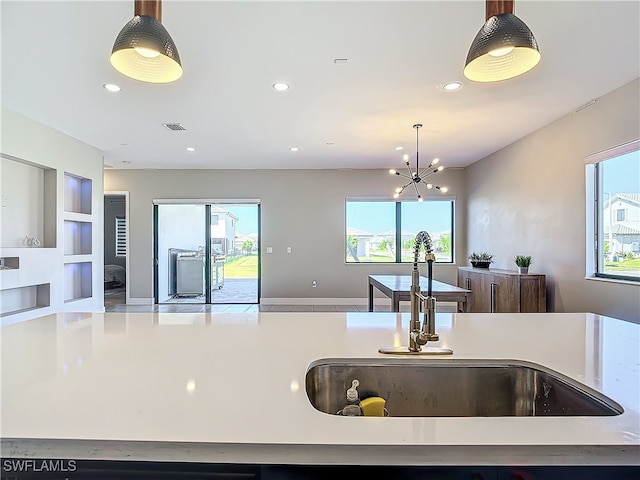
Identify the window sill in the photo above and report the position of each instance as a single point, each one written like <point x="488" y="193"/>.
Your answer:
<point x="614" y="280"/>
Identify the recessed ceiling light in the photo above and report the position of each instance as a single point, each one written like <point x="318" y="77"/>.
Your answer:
<point x="280" y="87"/>
<point x="399" y="148"/>
<point x="340" y="60"/>
<point x="191" y="149"/>
<point x="111" y="87"/>
<point x="452" y="86"/>
<point x="294" y="149"/>
<point x="126" y="162"/>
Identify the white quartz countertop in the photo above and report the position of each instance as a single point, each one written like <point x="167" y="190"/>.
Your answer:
<point x="231" y="387"/>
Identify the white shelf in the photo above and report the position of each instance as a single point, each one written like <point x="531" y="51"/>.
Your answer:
<point x="22" y="299"/>
<point x="77" y="238"/>
<point x="88" y="258"/>
<point x="9" y="263"/>
<point x="78" y="217"/>
<point x="77" y="281"/>
<point x="77" y="194"/>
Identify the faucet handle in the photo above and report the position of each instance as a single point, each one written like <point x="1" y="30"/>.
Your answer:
<point x="352" y="393"/>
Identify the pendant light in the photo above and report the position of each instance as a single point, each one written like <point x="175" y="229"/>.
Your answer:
<point x="503" y="48"/>
<point x="144" y="50"/>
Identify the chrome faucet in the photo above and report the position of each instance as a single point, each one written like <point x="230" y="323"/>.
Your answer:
<point x="418" y="335"/>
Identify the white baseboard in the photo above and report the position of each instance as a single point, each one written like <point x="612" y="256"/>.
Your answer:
<point x="323" y="301"/>
<point x="140" y="301"/>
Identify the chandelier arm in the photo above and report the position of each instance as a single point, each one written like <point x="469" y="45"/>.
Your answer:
<point x="422" y="173"/>
<point x="403" y="175"/>
<point x="415" y="184"/>
<point x="410" y="172"/>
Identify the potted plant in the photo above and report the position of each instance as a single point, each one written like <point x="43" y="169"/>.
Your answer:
<point x="523" y="262"/>
<point x="481" y="260"/>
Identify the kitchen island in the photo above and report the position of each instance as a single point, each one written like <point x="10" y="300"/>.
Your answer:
<point x="229" y="389"/>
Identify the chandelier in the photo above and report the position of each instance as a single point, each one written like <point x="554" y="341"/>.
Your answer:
<point x="418" y="176"/>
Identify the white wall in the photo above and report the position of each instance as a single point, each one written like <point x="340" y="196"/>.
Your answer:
<point x="529" y="198"/>
<point x="32" y="142"/>
<point x="303" y="209"/>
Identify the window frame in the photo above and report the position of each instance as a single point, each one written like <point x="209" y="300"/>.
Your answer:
<point x="398" y="230"/>
<point x="595" y="201"/>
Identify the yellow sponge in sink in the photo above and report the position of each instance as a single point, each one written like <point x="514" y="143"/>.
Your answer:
<point x="373" y="406"/>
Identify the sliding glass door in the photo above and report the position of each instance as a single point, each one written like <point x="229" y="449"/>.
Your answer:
<point x="181" y="256"/>
<point x="207" y="253"/>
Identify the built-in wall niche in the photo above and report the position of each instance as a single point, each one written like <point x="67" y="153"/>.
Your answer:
<point x="9" y="263"/>
<point x="77" y="281"/>
<point x="21" y="299"/>
<point x="77" y="238"/>
<point x="28" y="202"/>
<point x="77" y="194"/>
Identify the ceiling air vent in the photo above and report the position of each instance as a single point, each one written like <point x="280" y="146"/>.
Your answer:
<point x="174" y="126"/>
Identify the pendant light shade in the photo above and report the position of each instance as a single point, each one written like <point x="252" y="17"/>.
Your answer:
<point x="144" y="50"/>
<point x="503" y="48"/>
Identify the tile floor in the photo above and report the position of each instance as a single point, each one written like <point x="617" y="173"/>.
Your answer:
<point x="117" y="304"/>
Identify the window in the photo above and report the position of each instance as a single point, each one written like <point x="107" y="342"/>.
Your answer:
<point x="121" y="237"/>
<point x="615" y="189"/>
<point x="384" y="231"/>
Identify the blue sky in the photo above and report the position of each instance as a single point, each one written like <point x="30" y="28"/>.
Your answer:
<point x="379" y="217"/>
<point x="622" y="174"/>
<point x="372" y="217"/>
<point x="247" y="217"/>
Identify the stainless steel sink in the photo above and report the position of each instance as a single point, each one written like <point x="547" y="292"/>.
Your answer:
<point x="454" y="388"/>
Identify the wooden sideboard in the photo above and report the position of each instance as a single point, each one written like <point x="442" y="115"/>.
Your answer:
<point x="499" y="291"/>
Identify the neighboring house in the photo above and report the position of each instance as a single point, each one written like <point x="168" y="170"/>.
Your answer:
<point x="223" y="229"/>
<point x="363" y="245"/>
<point x="367" y="242"/>
<point x="241" y="240"/>
<point x="621" y="230"/>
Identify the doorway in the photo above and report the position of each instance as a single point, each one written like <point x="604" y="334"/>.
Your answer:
<point x="116" y="248"/>
<point x="206" y="252"/>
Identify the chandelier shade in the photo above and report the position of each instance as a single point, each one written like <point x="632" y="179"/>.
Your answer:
<point x="144" y="50"/>
<point x="418" y="176"/>
<point x="503" y="48"/>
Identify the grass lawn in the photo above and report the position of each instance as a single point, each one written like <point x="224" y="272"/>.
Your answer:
<point x="625" y="265"/>
<point x="242" y="267"/>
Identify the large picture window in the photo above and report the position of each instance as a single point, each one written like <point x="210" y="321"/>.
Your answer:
<point x="616" y="206"/>
<point x="383" y="231"/>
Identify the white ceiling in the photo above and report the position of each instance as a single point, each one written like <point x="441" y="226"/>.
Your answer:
<point x="55" y="59"/>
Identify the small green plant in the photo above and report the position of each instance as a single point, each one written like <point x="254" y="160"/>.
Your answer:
<point x="522" y="260"/>
<point x="482" y="257"/>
